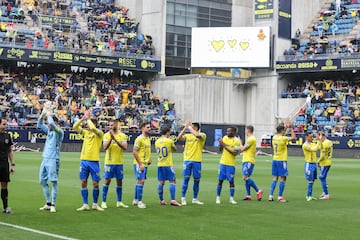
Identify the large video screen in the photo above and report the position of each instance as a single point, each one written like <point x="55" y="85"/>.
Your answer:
<point x="246" y="47"/>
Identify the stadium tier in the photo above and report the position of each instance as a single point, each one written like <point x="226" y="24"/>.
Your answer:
<point x="89" y="27"/>
<point x="331" y="106"/>
<point x="126" y="98"/>
<point x="328" y="34"/>
<point x="104" y="38"/>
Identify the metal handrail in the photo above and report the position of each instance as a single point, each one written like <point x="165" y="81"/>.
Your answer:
<point x="86" y="52"/>
<point x="319" y="56"/>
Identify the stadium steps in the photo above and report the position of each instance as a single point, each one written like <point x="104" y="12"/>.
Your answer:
<point x="79" y="18"/>
<point x="306" y="33"/>
<point x="345" y="38"/>
<point x="33" y="98"/>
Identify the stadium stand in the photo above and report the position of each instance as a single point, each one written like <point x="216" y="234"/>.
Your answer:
<point x="126" y="98"/>
<point x="90" y="27"/>
<point x="328" y="34"/>
<point x="82" y="26"/>
<point x="331" y="106"/>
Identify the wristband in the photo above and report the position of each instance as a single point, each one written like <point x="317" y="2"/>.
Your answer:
<point x="13" y="164"/>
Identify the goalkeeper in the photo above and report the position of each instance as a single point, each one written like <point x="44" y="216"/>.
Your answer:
<point x="49" y="168"/>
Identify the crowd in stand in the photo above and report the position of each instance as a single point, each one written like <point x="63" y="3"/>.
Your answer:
<point x="124" y="98"/>
<point x="109" y="30"/>
<point x="338" y="20"/>
<point x="331" y="106"/>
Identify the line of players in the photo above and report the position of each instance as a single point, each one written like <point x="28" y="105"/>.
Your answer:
<point x="114" y="143"/>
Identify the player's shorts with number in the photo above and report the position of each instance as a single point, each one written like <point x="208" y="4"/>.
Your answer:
<point x="90" y="167"/>
<point x="140" y="175"/>
<point x="247" y="168"/>
<point x="324" y="171"/>
<point x="166" y="174"/>
<point x="192" y="167"/>
<point x="49" y="169"/>
<point x="226" y="173"/>
<point x="280" y="168"/>
<point x="310" y="171"/>
<point x="114" y="171"/>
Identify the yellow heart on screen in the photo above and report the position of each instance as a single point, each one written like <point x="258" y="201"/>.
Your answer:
<point x="232" y="43"/>
<point x="244" y="45"/>
<point x="217" y="45"/>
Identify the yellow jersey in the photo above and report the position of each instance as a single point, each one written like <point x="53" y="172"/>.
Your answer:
<point x="91" y="146"/>
<point x="164" y="147"/>
<point x="143" y="145"/>
<point x="249" y="153"/>
<point x="279" y="144"/>
<point x="193" y="147"/>
<point x="114" y="154"/>
<point x="228" y="158"/>
<point x="326" y="152"/>
<point x="309" y="150"/>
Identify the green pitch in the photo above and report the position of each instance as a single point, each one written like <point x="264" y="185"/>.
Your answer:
<point x="337" y="218"/>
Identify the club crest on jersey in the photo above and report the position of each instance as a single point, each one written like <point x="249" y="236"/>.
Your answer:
<point x="6" y="141"/>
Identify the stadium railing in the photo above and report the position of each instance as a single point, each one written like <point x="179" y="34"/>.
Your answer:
<point x="318" y="56"/>
<point x="104" y="52"/>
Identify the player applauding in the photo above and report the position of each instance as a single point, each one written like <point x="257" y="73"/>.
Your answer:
<point x="309" y="148"/>
<point x="164" y="147"/>
<point x="280" y="157"/>
<point x="249" y="151"/>
<point x="142" y="158"/>
<point x="114" y="144"/>
<point x="230" y="147"/>
<point x="326" y="152"/>
<point x="194" y="144"/>
<point x="90" y="160"/>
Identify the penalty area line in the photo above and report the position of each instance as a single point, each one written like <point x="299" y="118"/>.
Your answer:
<point x="37" y="231"/>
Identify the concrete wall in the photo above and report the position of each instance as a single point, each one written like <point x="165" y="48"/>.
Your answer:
<point x="303" y="12"/>
<point x="212" y="99"/>
<point x="242" y="13"/>
<point x="202" y="98"/>
<point x="289" y="106"/>
<point x="152" y="18"/>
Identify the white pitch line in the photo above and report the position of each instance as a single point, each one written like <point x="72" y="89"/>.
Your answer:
<point x="36" y="231"/>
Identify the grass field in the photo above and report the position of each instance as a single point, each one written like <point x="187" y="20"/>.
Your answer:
<point x="337" y="218"/>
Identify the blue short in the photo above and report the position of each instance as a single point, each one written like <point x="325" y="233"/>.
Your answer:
<point x="310" y="171"/>
<point x="226" y="173"/>
<point x="140" y="175"/>
<point x="279" y="168"/>
<point x="114" y="171"/>
<point x="192" y="167"/>
<point x="247" y="168"/>
<point x="90" y="167"/>
<point x="324" y="172"/>
<point x="49" y="169"/>
<point x="166" y="173"/>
